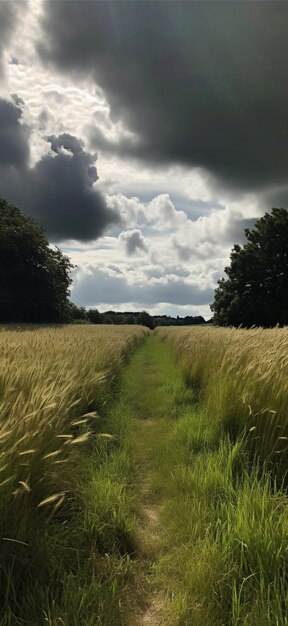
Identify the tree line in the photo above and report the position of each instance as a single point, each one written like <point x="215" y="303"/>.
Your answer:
<point x="133" y="317"/>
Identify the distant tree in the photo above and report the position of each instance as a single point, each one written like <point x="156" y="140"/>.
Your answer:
<point x="94" y="316"/>
<point x="140" y="317"/>
<point x="78" y="313"/>
<point x="256" y="290"/>
<point x="146" y="320"/>
<point x="34" y="279"/>
<point x="189" y="320"/>
<point x="130" y="319"/>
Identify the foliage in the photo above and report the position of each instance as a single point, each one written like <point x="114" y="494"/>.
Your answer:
<point x="34" y="279"/>
<point x="146" y="320"/>
<point x="141" y="317"/>
<point x="256" y="290"/>
<point x="94" y="316"/>
<point x="77" y="314"/>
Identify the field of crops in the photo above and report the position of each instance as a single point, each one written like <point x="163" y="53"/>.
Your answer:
<point x="52" y="381"/>
<point x="54" y="384"/>
<point x="242" y="381"/>
<point x="228" y="516"/>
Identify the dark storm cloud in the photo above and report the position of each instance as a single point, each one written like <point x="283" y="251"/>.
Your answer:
<point x="97" y="286"/>
<point x="58" y="191"/>
<point x="235" y="232"/>
<point x="9" y="13"/>
<point x="14" y="137"/>
<point x="200" y="83"/>
<point x="275" y="198"/>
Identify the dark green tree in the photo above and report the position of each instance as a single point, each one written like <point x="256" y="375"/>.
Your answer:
<point x="146" y="320"/>
<point x="94" y="316"/>
<point x="256" y="290"/>
<point x="77" y="313"/>
<point x="34" y="279"/>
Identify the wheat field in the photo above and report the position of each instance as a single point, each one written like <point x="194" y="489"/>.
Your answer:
<point x="242" y="381"/>
<point x="52" y="386"/>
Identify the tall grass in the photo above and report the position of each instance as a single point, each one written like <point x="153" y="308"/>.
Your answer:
<point x="242" y="381"/>
<point x="227" y="561"/>
<point x="223" y="468"/>
<point x="54" y="386"/>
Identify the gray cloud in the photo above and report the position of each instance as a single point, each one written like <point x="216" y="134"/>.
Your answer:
<point x="200" y="83"/>
<point x="201" y="252"/>
<point x="9" y="13"/>
<point x="208" y="238"/>
<point x="122" y="147"/>
<point x="236" y="226"/>
<point x="158" y="272"/>
<point x="14" y="137"/>
<point x="58" y="191"/>
<point x="134" y="241"/>
<point x="96" y="286"/>
<point x="43" y="119"/>
<point x="184" y="252"/>
<point x="275" y="198"/>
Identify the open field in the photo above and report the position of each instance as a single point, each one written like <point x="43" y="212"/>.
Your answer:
<point x="54" y="384"/>
<point x="227" y="494"/>
<point x="143" y="477"/>
<point x="242" y="380"/>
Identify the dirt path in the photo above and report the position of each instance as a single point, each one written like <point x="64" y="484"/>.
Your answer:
<point x="150" y="608"/>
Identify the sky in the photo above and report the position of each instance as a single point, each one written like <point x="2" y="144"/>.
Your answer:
<point x="144" y="136"/>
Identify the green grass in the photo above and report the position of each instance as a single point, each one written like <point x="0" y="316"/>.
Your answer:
<point x="241" y="378"/>
<point x="227" y="563"/>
